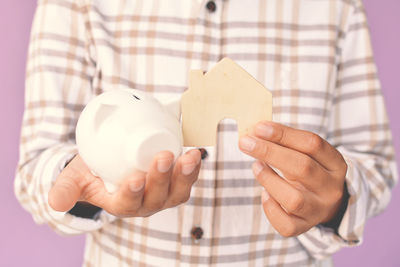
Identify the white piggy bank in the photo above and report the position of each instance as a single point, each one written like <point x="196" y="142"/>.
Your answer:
<point x="122" y="130"/>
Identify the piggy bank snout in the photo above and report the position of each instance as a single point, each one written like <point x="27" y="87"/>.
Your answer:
<point x="144" y="145"/>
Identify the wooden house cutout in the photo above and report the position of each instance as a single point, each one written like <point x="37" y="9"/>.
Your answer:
<point x="225" y="91"/>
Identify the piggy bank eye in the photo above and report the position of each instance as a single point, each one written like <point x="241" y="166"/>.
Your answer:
<point x="136" y="97"/>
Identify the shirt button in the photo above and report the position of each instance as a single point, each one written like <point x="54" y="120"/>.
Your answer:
<point x="211" y="6"/>
<point x="203" y="152"/>
<point x="196" y="233"/>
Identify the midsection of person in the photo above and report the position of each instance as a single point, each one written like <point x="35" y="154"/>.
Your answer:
<point x="290" y="47"/>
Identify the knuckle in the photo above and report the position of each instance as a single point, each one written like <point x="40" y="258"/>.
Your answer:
<point x="131" y="212"/>
<point x="343" y="169"/>
<point x="68" y="185"/>
<point x="156" y="205"/>
<point x="133" y="207"/>
<point x="116" y="211"/>
<point x="315" y="143"/>
<point x="182" y="198"/>
<point x="265" y="151"/>
<point x="288" y="229"/>
<point x="174" y="202"/>
<point x="121" y="210"/>
<point x="262" y="178"/>
<point x="307" y="166"/>
<point x="185" y="197"/>
<point x="337" y="195"/>
<point x="90" y="193"/>
<point x="295" y="202"/>
<point x="280" y="135"/>
<point x="269" y="209"/>
<point x="190" y="180"/>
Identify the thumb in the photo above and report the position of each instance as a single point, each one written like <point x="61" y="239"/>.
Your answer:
<point x="65" y="192"/>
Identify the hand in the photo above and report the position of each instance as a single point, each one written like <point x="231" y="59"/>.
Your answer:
<point x="311" y="189"/>
<point x="141" y="194"/>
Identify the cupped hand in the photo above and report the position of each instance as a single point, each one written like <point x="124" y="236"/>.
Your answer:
<point x="311" y="187"/>
<point x="140" y="194"/>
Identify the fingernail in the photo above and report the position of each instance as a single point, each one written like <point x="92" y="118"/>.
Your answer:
<point x="264" y="130"/>
<point x="264" y="196"/>
<point x="163" y="165"/>
<point x="136" y="186"/>
<point x="188" y="168"/>
<point x="198" y="159"/>
<point x="257" y="167"/>
<point x="247" y="143"/>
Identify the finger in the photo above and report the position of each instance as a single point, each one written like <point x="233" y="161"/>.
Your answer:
<point x="127" y="200"/>
<point x="64" y="194"/>
<point x="293" y="164"/>
<point x="184" y="175"/>
<point x="69" y="185"/>
<point x="286" y="225"/>
<point x="157" y="182"/>
<point x="290" y="198"/>
<point x="300" y="140"/>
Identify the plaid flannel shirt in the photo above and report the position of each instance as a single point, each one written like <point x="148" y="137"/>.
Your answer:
<point x="314" y="56"/>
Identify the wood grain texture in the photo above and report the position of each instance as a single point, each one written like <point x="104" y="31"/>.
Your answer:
<point x="226" y="91"/>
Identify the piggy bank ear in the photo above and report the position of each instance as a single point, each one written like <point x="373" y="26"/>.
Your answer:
<point x="172" y="104"/>
<point x="104" y="111"/>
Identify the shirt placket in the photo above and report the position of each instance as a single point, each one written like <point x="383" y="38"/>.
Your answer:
<point x="198" y="213"/>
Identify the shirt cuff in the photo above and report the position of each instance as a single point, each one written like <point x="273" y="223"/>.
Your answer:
<point x="32" y="192"/>
<point x="322" y="240"/>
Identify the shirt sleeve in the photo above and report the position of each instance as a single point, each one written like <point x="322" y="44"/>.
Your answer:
<point x="59" y="76"/>
<point x="359" y="129"/>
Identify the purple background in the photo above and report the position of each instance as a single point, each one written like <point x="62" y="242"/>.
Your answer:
<point x="22" y="243"/>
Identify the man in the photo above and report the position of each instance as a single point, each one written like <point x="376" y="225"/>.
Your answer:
<point x="323" y="167"/>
